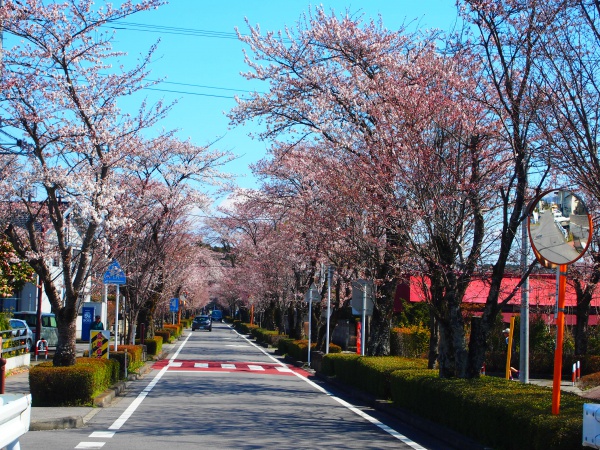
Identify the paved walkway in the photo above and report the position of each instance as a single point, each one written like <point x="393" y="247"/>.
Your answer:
<point x="53" y="418"/>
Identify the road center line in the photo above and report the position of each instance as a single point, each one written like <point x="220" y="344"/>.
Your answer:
<point x="342" y="402"/>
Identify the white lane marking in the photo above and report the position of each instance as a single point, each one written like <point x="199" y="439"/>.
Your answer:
<point x="253" y="367"/>
<point x="237" y="345"/>
<point x="102" y="434"/>
<point x="90" y="445"/>
<point x="344" y="403"/>
<point x="228" y="366"/>
<point x="117" y="424"/>
<point x="176" y="364"/>
<point x="203" y="365"/>
<point x="283" y="369"/>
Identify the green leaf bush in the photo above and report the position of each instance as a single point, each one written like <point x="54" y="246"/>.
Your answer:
<point x="269" y="337"/>
<point x="153" y="345"/>
<point x="177" y="329"/>
<point x="502" y="414"/>
<point x="165" y="334"/>
<point x="75" y="385"/>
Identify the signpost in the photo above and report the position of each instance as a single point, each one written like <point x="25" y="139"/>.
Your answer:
<point x="362" y="300"/>
<point x="311" y="296"/>
<point x="174" y="307"/>
<point x="115" y="275"/>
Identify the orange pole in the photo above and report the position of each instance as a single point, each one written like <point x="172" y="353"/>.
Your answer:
<point x="251" y="314"/>
<point x="560" y="325"/>
<point x="509" y="351"/>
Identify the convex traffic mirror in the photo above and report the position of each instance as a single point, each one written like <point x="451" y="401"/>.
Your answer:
<point x="559" y="227"/>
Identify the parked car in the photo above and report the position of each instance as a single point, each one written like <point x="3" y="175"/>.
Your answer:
<point x="202" y="323"/>
<point x="21" y="329"/>
<point x="216" y="315"/>
<point x="49" y="329"/>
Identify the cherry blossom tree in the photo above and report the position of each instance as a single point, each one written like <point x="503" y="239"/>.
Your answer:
<point x="570" y="68"/>
<point x="14" y="272"/>
<point x="59" y="95"/>
<point x="158" y="245"/>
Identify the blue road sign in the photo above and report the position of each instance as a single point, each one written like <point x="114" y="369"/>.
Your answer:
<point x="174" y="305"/>
<point x="114" y="274"/>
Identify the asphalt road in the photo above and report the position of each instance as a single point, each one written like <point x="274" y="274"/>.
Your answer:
<point x="218" y="390"/>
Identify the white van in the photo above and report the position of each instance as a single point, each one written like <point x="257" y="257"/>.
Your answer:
<point x="49" y="329"/>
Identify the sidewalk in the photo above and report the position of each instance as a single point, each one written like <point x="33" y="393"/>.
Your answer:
<point x="55" y="418"/>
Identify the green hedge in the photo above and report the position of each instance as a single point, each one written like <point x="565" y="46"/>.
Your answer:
<point x="165" y="334"/>
<point x="153" y="345"/>
<point x="338" y="363"/>
<point x="75" y="385"/>
<point x="503" y="414"/>
<point x="298" y="349"/>
<point x="177" y="329"/>
<point x="269" y="337"/>
<point x="243" y="328"/>
<point x="370" y="374"/>
<point x="409" y="342"/>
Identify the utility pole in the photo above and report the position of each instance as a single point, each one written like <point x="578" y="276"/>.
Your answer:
<point x="524" y="328"/>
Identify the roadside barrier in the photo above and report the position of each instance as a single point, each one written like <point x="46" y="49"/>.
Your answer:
<point x="576" y="375"/>
<point x="41" y="345"/>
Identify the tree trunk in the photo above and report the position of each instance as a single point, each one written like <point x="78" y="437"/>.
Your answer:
<point x="66" y="351"/>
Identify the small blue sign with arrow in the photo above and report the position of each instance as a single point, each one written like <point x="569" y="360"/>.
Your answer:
<point x="174" y="305"/>
<point x="114" y="274"/>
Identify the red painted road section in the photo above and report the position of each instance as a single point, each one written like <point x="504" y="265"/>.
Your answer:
<point x="230" y="367"/>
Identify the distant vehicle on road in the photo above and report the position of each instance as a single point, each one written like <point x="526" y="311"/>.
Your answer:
<point x="49" y="329"/>
<point x="21" y="329"/>
<point x="202" y="323"/>
<point x="217" y="315"/>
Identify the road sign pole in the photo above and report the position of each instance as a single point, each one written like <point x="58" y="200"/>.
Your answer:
<point x="363" y="319"/>
<point x="329" y="274"/>
<point x="309" y="321"/>
<point x="117" y="319"/>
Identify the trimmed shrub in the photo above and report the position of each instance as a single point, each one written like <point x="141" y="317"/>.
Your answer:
<point x="335" y="363"/>
<point x="153" y="345"/>
<point x="409" y="342"/>
<point x="75" y="385"/>
<point x="244" y="328"/>
<point x="298" y="349"/>
<point x="502" y="414"/>
<point x="176" y="328"/>
<point x="165" y="334"/>
<point x="268" y="337"/>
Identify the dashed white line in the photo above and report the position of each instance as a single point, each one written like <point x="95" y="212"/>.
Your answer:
<point x="202" y="365"/>
<point x="253" y="367"/>
<point x="90" y="445"/>
<point x="228" y="366"/>
<point x="102" y="434"/>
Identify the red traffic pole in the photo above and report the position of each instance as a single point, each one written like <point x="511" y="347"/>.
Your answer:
<point x="2" y="368"/>
<point x="560" y="331"/>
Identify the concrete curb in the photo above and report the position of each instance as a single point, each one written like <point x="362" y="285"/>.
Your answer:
<point x="61" y="423"/>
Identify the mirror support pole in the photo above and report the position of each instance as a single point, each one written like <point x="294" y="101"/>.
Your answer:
<point x="560" y="326"/>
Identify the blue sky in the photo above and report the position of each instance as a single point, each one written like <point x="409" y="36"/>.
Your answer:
<point x="201" y="59"/>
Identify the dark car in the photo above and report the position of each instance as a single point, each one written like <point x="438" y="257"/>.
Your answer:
<point x="21" y="329"/>
<point x="202" y="323"/>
